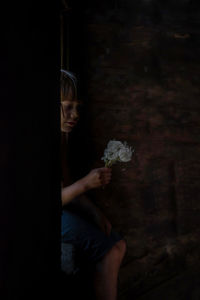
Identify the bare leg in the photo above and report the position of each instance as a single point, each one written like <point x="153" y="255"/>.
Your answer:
<point x="106" y="275"/>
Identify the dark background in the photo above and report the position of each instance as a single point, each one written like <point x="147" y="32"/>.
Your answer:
<point x="138" y="68"/>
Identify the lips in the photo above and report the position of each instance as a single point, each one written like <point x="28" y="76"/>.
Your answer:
<point x="71" y="123"/>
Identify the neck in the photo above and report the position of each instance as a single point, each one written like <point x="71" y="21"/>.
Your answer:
<point x="64" y="136"/>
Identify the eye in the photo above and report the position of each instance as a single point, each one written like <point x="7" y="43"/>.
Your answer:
<point x="68" y="107"/>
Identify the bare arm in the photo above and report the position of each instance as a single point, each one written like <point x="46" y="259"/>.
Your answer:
<point x="72" y="191"/>
<point x="94" y="179"/>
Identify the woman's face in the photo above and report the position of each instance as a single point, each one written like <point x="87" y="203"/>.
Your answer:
<point x="69" y="113"/>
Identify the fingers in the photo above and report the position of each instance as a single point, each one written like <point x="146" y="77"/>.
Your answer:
<point x="106" y="227"/>
<point x="105" y="169"/>
<point x="99" y="177"/>
<point x="105" y="175"/>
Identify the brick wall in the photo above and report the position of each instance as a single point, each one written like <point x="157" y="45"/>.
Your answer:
<point x="141" y="79"/>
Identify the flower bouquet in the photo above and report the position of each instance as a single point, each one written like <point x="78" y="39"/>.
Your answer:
<point x="117" y="151"/>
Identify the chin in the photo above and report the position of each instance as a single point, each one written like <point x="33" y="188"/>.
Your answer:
<point x="66" y="129"/>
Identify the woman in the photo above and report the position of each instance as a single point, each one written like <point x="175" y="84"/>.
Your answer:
<point x="93" y="237"/>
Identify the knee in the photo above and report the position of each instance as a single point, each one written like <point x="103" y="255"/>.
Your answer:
<point x="114" y="256"/>
<point x="121" y="247"/>
<point x="118" y="250"/>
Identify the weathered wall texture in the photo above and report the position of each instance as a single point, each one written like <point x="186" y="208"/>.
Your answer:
<point x="143" y="85"/>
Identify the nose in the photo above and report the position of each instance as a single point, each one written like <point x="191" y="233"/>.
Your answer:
<point x="74" y="114"/>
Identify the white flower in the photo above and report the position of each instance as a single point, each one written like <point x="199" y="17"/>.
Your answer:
<point x="117" y="151"/>
<point x="125" y="154"/>
<point x="110" y="155"/>
<point x="114" y="146"/>
<point x="112" y="150"/>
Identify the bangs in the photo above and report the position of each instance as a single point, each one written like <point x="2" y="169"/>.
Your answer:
<point x="68" y="84"/>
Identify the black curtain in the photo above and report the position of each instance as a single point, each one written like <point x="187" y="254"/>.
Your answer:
<point x="30" y="147"/>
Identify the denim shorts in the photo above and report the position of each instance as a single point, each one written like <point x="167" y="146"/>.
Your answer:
<point x="90" y="242"/>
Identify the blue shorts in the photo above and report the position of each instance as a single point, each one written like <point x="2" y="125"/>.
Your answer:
<point x="90" y="242"/>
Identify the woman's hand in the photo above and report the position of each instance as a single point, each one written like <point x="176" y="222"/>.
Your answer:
<point x="97" y="178"/>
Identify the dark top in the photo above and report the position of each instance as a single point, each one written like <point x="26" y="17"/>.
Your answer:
<point x="66" y="180"/>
